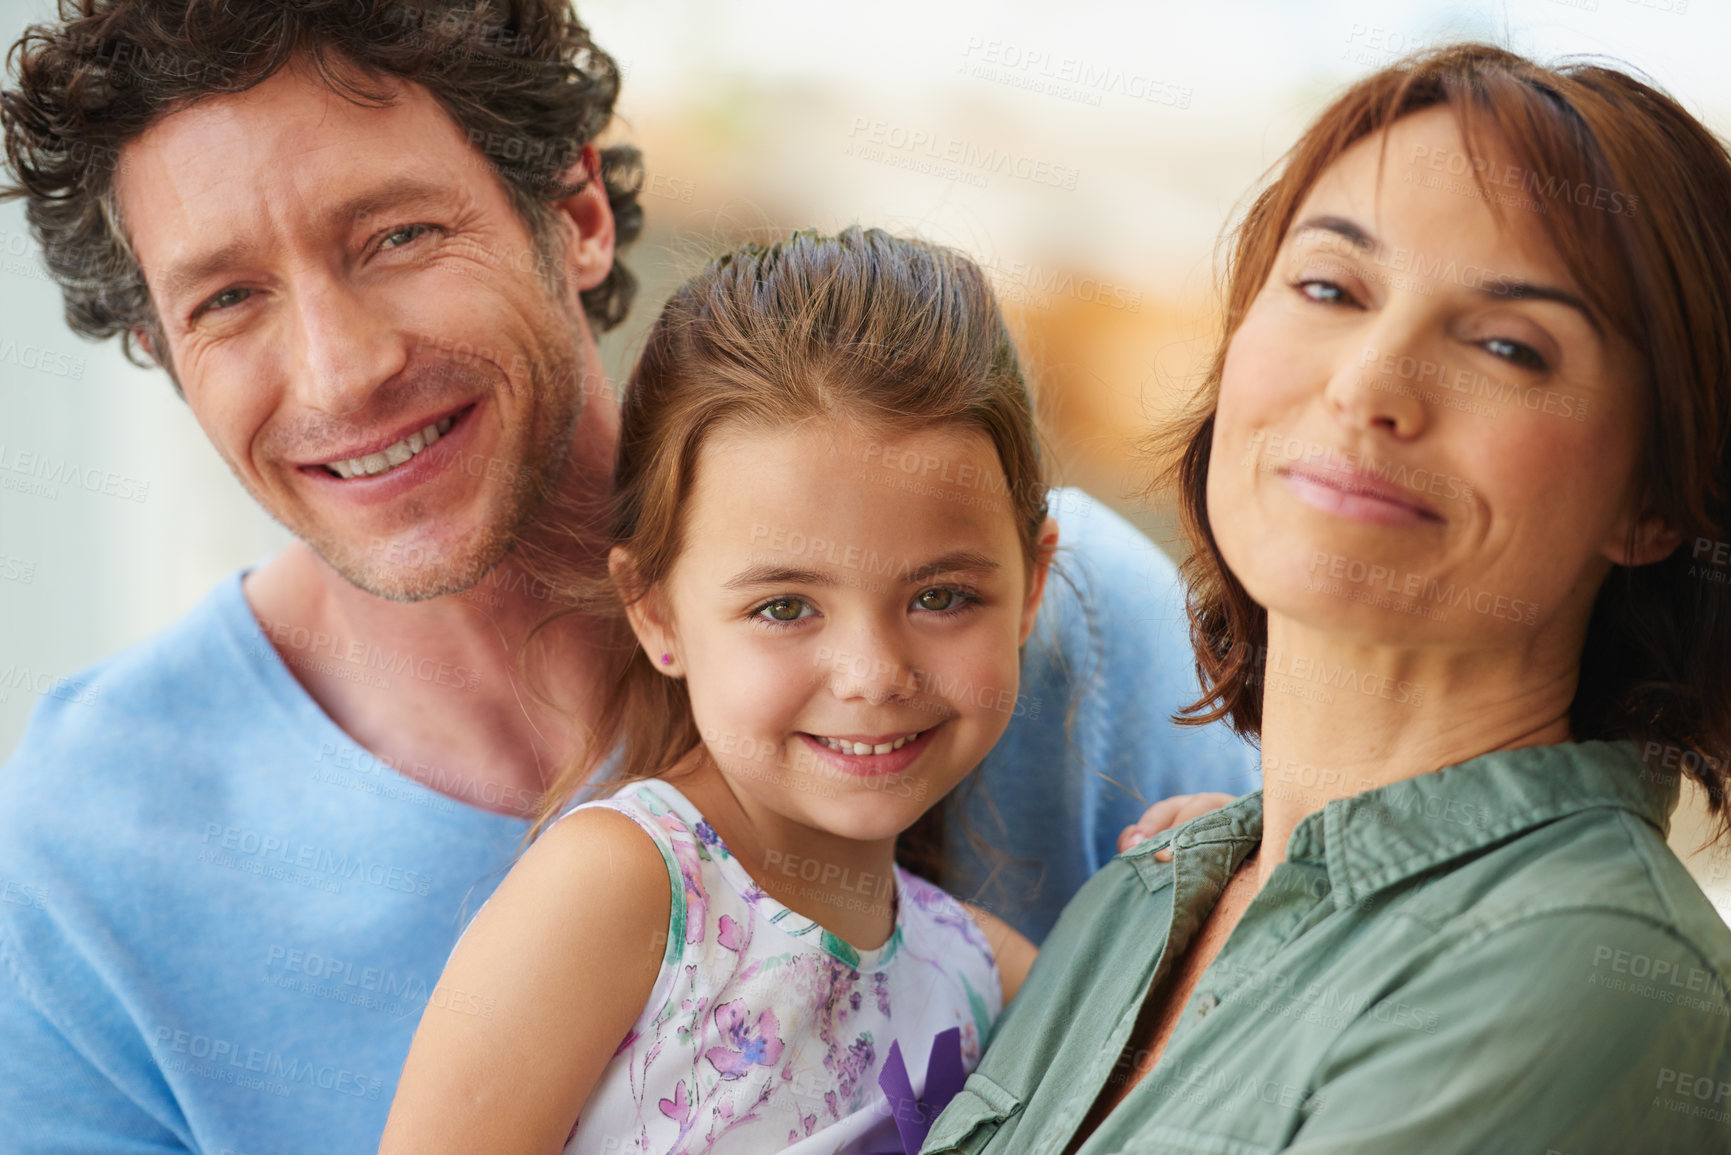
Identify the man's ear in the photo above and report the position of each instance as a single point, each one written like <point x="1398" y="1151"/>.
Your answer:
<point x="1045" y="547"/>
<point x="586" y="221"/>
<point x="646" y="610"/>
<point x="1654" y="540"/>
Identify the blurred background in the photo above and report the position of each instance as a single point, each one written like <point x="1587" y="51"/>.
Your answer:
<point x="1088" y="153"/>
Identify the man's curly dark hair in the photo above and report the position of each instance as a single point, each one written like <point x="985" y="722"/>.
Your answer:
<point x="520" y="77"/>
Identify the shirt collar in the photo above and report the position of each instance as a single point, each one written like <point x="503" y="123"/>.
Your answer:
<point x="1378" y="838"/>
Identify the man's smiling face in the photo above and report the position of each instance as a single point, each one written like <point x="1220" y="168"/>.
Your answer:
<point x="361" y="323"/>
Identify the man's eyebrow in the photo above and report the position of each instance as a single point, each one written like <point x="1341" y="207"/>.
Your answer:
<point x="771" y="574"/>
<point x="389" y="194"/>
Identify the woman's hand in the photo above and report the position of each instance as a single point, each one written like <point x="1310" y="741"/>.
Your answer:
<point x="1167" y="813"/>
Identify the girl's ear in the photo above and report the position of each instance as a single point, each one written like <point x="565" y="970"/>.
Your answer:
<point x="646" y="610"/>
<point x="1044" y="548"/>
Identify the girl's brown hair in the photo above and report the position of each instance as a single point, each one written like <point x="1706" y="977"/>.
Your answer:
<point x="1635" y="194"/>
<point x="892" y="333"/>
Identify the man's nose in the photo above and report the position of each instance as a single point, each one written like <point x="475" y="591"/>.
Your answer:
<point x="346" y="348"/>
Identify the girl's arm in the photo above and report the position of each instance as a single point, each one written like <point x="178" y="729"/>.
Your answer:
<point x="537" y="995"/>
<point x="1015" y="954"/>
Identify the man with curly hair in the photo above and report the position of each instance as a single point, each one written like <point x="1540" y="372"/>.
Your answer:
<point x="371" y="243"/>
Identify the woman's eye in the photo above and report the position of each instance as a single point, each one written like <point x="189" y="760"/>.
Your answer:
<point x="1324" y="292"/>
<point x="783" y="610"/>
<point x="1516" y="353"/>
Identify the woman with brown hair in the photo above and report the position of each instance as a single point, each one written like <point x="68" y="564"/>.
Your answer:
<point x="1456" y="483"/>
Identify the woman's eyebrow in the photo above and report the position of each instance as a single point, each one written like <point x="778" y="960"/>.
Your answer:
<point x="1514" y="289"/>
<point x="1359" y="238"/>
<point x="1501" y="287"/>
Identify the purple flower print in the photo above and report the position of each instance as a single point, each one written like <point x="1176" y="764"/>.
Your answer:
<point x="708" y="837"/>
<point x="749" y="1043"/>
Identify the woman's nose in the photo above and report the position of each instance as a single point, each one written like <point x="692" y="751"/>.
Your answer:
<point x="1382" y="382"/>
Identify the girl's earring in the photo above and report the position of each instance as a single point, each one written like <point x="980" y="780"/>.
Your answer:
<point x="667" y="659"/>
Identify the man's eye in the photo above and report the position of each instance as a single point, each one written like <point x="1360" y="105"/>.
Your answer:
<point x="224" y="300"/>
<point x="1515" y="353"/>
<point x="407" y="233"/>
<point x="936" y="599"/>
<point x="783" y="610"/>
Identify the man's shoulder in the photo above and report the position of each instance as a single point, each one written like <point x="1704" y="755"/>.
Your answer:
<point x="1100" y="550"/>
<point x="120" y="718"/>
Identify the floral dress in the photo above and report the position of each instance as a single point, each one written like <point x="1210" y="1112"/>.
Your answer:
<point x="765" y="1032"/>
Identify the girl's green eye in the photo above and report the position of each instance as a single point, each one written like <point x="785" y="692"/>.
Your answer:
<point x="783" y="609"/>
<point x="936" y="599"/>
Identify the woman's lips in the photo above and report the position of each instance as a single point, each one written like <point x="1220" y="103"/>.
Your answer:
<point x="1356" y="497"/>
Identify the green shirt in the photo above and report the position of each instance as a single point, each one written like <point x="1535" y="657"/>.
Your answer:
<point x="1499" y="956"/>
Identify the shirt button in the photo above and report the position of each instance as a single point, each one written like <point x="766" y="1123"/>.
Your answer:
<point x="1206" y="1003"/>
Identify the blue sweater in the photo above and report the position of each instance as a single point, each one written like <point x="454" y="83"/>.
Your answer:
<point x="221" y="918"/>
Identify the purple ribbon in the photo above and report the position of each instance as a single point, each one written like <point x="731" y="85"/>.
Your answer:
<point x="944" y="1077"/>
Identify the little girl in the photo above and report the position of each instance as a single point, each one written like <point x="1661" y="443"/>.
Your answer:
<point x="829" y="541"/>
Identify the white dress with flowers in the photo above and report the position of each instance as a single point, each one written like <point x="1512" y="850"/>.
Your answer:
<point x="764" y="1031"/>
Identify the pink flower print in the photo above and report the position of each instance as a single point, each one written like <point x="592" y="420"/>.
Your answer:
<point x="729" y="935"/>
<point x="696" y="902"/>
<point x="749" y="1043"/>
<point x="677" y="1108"/>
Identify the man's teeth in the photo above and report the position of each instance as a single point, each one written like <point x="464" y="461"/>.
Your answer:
<point x="392" y="455"/>
<point x="843" y="746"/>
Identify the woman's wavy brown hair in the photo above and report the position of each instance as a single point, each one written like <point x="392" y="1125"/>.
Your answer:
<point x="894" y="334"/>
<point x="1636" y="197"/>
<point x="520" y="77"/>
